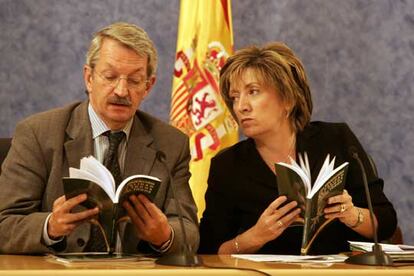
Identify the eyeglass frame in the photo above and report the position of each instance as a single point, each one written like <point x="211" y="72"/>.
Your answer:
<point x="114" y="83"/>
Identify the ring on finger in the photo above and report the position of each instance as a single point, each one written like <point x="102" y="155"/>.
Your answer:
<point x="279" y="223"/>
<point x="343" y="208"/>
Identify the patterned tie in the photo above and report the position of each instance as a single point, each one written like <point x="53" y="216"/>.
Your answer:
<point x="111" y="158"/>
<point x="96" y="242"/>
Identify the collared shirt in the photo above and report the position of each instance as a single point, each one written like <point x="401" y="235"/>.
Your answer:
<point x="101" y="142"/>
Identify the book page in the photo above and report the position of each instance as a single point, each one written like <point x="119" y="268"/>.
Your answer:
<point x="323" y="171"/>
<point x="327" y="175"/>
<point x="304" y="165"/>
<point x="143" y="184"/>
<point x="296" y="168"/>
<point x="82" y="174"/>
<point x="93" y="166"/>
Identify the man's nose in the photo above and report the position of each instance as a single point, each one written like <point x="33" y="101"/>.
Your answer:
<point x="121" y="89"/>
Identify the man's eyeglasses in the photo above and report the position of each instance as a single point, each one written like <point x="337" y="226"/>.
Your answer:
<point x="134" y="83"/>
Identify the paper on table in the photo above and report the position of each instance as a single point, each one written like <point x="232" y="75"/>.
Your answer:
<point x="95" y="257"/>
<point x="367" y="246"/>
<point x="292" y="258"/>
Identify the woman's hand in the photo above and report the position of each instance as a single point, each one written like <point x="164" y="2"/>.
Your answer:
<point x="356" y="218"/>
<point x="341" y="207"/>
<point x="274" y="220"/>
<point x="271" y="223"/>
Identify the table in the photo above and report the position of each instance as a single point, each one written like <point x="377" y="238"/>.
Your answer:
<point x="44" y="265"/>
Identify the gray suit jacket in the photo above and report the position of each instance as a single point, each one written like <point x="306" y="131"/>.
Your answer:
<point x="45" y="145"/>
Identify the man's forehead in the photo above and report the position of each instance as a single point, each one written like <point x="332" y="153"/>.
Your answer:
<point x="113" y="48"/>
<point x="114" y="55"/>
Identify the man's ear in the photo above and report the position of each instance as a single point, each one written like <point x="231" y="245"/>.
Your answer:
<point x="87" y="77"/>
<point x="150" y="83"/>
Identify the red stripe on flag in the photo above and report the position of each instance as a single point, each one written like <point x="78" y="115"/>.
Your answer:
<point x="179" y="101"/>
<point x="179" y="106"/>
<point x="181" y="95"/>
<point x="177" y="113"/>
<point x="178" y="92"/>
<point x="226" y="12"/>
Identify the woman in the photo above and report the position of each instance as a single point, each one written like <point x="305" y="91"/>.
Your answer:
<point x="267" y="91"/>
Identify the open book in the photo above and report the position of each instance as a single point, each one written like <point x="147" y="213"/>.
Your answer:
<point x="294" y="181"/>
<point x="97" y="182"/>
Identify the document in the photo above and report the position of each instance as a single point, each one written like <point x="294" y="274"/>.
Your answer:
<point x="292" y="258"/>
<point x="388" y="248"/>
<point x="398" y="252"/>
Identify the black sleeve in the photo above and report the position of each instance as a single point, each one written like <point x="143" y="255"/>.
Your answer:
<point x="383" y="208"/>
<point x="219" y="222"/>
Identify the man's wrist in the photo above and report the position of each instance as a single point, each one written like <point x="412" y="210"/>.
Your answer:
<point x="165" y="246"/>
<point x="46" y="238"/>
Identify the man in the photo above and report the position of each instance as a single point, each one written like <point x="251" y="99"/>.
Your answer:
<point x="35" y="216"/>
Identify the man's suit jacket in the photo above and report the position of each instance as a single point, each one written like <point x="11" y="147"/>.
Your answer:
<point x="241" y="187"/>
<point x="45" y="145"/>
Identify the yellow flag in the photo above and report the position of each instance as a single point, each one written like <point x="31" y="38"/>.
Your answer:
<point x="205" y="40"/>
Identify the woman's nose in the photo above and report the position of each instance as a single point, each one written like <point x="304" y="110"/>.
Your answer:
<point x="243" y="104"/>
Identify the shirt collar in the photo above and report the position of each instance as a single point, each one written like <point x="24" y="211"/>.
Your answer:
<point x="99" y="127"/>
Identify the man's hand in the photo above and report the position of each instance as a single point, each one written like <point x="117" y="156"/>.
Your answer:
<point x="62" y="222"/>
<point x="150" y="222"/>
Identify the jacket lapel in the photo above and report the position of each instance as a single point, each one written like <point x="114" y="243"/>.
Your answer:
<point x="138" y="160"/>
<point x="79" y="132"/>
<point x="140" y="155"/>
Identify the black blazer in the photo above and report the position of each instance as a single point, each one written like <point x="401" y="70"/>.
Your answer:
<point x="241" y="186"/>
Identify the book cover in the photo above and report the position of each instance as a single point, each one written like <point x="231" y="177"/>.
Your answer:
<point x="95" y="180"/>
<point x="294" y="181"/>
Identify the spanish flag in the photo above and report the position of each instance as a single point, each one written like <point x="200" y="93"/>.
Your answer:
<point x="205" y="40"/>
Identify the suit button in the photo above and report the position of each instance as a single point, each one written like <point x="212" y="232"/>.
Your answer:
<point x="80" y="242"/>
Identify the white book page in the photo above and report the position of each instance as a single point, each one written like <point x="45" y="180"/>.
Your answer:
<point x="295" y="167"/>
<point x="317" y="186"/>
<point x="81" y="174"/>
<point x="304" y="164"/>
<point x="126" y="180"/>
<point x="323" y="171"/>
<point x="93" y="166"/>
<point x="326" y="174"/>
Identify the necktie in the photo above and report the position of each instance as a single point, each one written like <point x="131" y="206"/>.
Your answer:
<point x="96" y="242"/>
<point x="111" y="157"/>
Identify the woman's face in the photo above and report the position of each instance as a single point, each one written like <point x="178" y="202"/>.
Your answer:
<point x="259" y="109"/>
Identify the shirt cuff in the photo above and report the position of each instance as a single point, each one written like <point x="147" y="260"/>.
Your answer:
<point x="48" y="241"/>
<point x="166" y="245"/>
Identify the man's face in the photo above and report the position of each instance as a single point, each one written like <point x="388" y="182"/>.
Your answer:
<point x="118" y="83"/>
